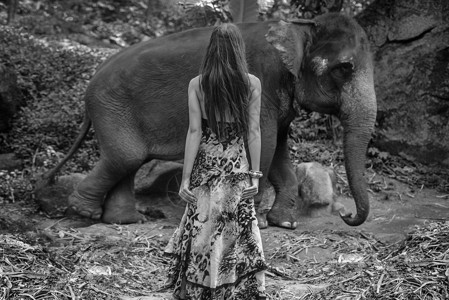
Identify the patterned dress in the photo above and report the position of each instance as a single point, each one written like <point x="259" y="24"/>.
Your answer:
<point x="217" y="249"/>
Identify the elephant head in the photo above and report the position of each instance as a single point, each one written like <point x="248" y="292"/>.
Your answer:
<point x="331" y="65"/>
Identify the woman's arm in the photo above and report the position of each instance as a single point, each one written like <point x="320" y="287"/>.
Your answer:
<point x="192" y="141"/>
<point x="254" y="139"/>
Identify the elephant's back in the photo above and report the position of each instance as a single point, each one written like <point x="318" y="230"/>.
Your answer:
<point x="173" y="47"/>
<point x="160" y="68"/>
<point x="183" y="50"/>
<point x="141" y="92"/>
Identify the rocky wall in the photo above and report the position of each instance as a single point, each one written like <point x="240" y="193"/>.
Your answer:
<point x="410" y="43"/>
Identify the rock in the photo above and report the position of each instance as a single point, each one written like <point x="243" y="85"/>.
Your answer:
<point x="316" y="188"/>
<point x="10" y="97"/>
<point x="410" y="41"/>
<point x="10" y="162"/>
<point x="301" y="290"/>
<point x="53" y="199"/>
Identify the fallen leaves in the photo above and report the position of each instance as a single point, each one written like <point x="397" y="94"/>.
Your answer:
<point x="358" y="266"/>
<point x="130" y="265"/>
<point x="72" y="265"/>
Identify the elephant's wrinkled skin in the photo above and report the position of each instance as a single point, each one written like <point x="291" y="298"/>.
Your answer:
<point x="137" y="103"/>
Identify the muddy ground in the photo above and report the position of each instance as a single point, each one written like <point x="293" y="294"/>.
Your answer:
<point x="394" y="211"/>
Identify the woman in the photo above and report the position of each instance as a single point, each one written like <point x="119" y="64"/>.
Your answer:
<point x="217" y="249"/>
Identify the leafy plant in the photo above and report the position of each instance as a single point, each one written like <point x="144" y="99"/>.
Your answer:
<point x="308" y="9"/>
<point x="14" y="186"/>
<point x="377" y="157"/>
<point x="53" y="80"/>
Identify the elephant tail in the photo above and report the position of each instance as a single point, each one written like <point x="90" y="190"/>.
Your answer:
<point x="49" y="177"/>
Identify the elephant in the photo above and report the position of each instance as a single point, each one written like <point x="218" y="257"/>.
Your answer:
<point x="137" y="105"/>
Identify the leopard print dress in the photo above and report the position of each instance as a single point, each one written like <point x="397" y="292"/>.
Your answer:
<point x="216" y="250"/>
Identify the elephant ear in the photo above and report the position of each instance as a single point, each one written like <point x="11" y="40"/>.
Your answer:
<point x="290" y="39"/>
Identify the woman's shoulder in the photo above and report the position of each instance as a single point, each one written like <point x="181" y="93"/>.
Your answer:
<point x="254" y="81"/>
<point x="195" y="82"/>
<point x="253" y="77"/>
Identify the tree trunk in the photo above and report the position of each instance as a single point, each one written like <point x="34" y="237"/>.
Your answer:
<point x="12" y="8"/>
<point x="410" y="42"/>
<point x="10" y="97"/>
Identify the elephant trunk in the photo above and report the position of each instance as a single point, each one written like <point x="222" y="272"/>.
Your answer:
<point x="358" y="116"/>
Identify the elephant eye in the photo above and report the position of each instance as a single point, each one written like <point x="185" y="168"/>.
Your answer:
<point x="343" y="70"/>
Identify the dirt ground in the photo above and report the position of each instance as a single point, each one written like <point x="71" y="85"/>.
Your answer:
<point x="394" y="211"/>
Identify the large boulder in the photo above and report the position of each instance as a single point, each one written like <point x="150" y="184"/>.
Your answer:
<point x="10" y="97"/>
<point x="410" y="41"/>
<point x="317" y="189"/>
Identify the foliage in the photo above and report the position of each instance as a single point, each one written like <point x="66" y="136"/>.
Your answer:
<point x="15" y="186"/>
<point x="378" y="157"/>
<point x="53" y="83"/>
<point x="206" y="13"/>
<point x="53" y="79"/>
<point x="103" y="23"/>
<point x="308" y="9"/>
<point x="108" y="23"/>
<point x="315" y="126"/>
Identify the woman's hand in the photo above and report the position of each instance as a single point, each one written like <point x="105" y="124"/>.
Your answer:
<point x="250" y="191"/>
<point x="186" y="194"/>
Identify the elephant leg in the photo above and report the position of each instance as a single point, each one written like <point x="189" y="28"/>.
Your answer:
<point x="120" y="204"/>
<point x="283" y="178"/>
<point x="88" y="197"/>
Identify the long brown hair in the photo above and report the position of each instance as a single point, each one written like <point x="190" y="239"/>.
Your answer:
<point x="224" y="79"/>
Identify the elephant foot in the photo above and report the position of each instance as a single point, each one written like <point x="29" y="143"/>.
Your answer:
<point x="281" y="218"/>
<point x="85" y="207"/>
<point x="262" y="220"/>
